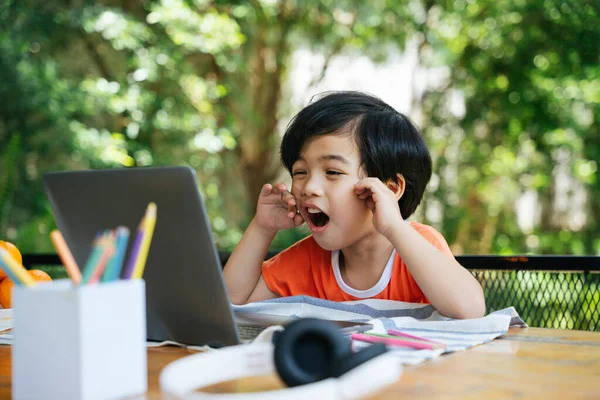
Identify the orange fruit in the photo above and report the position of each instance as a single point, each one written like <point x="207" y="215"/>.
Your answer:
<point x="13" y="251"/>
<point x="7" y="284"/>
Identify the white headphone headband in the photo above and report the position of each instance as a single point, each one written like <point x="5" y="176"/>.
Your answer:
<point x="180" y="378"/>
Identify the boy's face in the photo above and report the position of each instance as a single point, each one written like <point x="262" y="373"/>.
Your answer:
<point x="323" y="181"/>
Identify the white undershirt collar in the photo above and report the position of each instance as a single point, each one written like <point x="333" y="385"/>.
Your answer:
<point x="362" y="294"/>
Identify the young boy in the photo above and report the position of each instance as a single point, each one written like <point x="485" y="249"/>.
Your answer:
<point x="359" y="169"/>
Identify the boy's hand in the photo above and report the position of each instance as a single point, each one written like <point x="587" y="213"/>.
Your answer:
<point x="382" y="201"/>
<point x="276" y="209"/>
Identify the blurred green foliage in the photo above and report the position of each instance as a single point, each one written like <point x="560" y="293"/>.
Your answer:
<point x="95" y="84"/>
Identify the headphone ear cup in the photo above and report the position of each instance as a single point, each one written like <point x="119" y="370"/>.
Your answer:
<point x="306" y="349"/>
<point x="342" y="365"/>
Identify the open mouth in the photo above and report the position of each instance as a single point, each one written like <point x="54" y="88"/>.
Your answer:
<point x="317" y="217"/>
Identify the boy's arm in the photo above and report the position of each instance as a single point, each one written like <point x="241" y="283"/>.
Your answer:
<point x="450" y="288"/>
<point x="261" y="292"/>
<point x="242" y="272"/>
<point x="275" y="210"/>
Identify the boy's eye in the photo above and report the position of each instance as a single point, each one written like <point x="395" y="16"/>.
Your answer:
<point x="330" y="172"/>
<point x="295" y="173"/>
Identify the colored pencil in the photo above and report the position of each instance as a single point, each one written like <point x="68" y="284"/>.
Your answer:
<point x="108" y="249"/>
<point x="150" y="222"/>
<point x="363" y="337"/>
<point x="15" y="271"/>
<point x="409" y="339"/>
<point x="93" y="258"/>
<point x="135" y="249"/>
<point x="396" y="332"/>
<point x="115" y="264"/>
<point x="9" y="273"/>
<point x="66" y="256"/>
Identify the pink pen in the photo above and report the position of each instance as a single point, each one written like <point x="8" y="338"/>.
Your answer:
<point x="392" y="341"/>
<point x="396" y="332"/>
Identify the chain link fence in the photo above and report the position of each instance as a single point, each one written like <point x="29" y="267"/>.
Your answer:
<point x="547" y="299"/>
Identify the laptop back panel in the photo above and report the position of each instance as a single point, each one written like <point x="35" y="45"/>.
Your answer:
<point x="186" y="299"/>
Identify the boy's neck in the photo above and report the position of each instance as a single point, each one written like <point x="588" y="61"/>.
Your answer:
<point x="362" y="264"/>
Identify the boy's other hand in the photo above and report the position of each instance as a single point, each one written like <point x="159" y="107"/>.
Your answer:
<point x="382" y="201"/>
<point x="276" y="209"/>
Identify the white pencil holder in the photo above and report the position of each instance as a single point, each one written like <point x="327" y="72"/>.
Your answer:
<point x="79" y="342"/>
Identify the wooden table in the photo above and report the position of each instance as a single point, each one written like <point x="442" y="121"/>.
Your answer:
<point x="525" y="363"/>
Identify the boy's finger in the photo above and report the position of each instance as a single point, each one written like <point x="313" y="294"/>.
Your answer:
<point x="288" y="198"/>
<point x="266" y="189"/>
<point x="281" y="187"/>
<point x="371" y="204"/>
<point x="358" y="190"/>
<point x="365" y="184"/>
<point x="284" y="199"/>
<point x="275" y="188"/>
<point x="364" y="193"/>
<point x="298" y="220"/>
<point x="291" y="211"/>
<point x="360" y="186"/>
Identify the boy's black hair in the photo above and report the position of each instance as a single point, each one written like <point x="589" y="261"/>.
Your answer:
<point x="389" y="143"/>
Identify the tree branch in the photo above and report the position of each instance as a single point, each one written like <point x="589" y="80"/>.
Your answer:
<point x="334" y="50"/>
<point x="91" y="47"/>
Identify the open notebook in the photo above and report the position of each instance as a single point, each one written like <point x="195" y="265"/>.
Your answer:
<point x="416" y="319"/>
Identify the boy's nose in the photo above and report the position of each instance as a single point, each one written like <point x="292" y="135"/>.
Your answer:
<point x="312" y="187"/>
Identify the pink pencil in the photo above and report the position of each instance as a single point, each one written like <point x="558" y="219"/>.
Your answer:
<point x="396" y="332"/>
<point x="109" y="249"/>
<point x="392" y="341"/>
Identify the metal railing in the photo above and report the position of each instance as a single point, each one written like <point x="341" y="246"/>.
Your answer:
<point x="560" y="292"/>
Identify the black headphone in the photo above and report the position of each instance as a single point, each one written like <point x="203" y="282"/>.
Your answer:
<point x="310" y="350"/>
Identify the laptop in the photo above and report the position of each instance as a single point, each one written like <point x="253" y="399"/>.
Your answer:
<point x="186" y="298"/>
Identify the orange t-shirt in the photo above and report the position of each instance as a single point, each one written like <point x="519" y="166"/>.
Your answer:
<point x="307" y="269"/>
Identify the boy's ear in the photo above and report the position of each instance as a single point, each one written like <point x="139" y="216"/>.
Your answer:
<point x="397" y="186"/>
